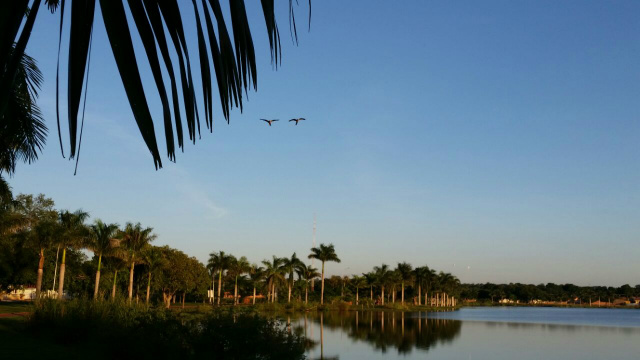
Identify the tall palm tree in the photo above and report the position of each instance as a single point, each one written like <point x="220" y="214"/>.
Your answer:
<point x="382" y="273"/>
<point x="273" y="275"/>
<point x="153" y="258"/>
<point x="324" y="253"/>
<point x="308" y="273"/>
<point x="290" y="266"/>
<point x="405" y="271"/>
<point x="219" y="262"/>
<point x="134" y="238"/>
<point x="234" y="61"/>
<point x="420" y="275"/>
<point x="43" y="235"/>
<point x="358" y="282"/>
<point x="74" y="234"/>
<point x="101" y="242"/>
<point x="256" y="274"/>
<point x="237" y="267"/>
<point x="370" y="277"/>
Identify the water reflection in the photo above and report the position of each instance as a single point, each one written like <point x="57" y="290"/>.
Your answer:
<point x="383" y="331"/>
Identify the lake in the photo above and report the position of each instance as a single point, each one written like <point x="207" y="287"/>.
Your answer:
<point x="473" y="333"/>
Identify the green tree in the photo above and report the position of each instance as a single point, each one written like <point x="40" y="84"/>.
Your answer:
<point x="405" y="271"/>
<point x="219" y="262"/>
<point x="420" y="275"/>
<point x="102" y="242"/>
<point x="290" y="266"/>
<point x="273" y="275"/>
<point x="154" y="260"/>
<point x="237" y="267"/>
<point x="133" y="239"/>
<point x="324" y="253"/>
<point x="308" y="273"/>
<point x="256" y="274"/>
<point x="358" y="282"/>
<point x="75" y="233"/>
<point x="381" y="276"/>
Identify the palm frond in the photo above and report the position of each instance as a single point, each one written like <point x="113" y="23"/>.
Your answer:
<point x="234" y="62"/>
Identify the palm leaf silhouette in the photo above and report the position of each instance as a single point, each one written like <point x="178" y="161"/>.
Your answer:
<point x="234" y="61"/>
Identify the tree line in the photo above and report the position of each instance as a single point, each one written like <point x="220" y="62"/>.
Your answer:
<point x="42" y="245"/>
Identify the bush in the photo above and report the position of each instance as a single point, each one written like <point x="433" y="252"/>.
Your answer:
<point x="119" y="330"/>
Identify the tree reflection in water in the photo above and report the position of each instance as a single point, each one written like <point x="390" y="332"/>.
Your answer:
<point x="384" y="330"/>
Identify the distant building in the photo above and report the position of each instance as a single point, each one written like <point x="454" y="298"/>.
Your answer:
<point x="24" y="293"/>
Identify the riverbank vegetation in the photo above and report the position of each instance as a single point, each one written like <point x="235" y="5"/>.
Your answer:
<point x="63" y="252"/>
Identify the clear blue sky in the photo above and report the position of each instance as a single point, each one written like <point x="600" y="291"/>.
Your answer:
<point x="502" y="136"/>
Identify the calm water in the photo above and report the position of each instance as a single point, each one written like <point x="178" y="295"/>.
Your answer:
<point x="474" y="333"/>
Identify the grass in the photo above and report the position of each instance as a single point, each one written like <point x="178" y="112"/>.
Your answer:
<point x="15" y="307"/>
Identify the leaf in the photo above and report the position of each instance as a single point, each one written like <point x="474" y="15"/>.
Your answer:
<point x="204" y="70"/>
<point x="156" y="23"/>
<point x="115" y="23"/>
<point x="148" y="41"/>
<point x="82" y="12"/>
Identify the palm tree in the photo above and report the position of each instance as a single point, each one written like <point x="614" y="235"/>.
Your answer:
<point x="308" y="273"/>
<point x="41" y="237"/>
<point x="290" y="266"/>
<point x="382" y="273"/>
<point x="74" y="234"/>
<point x="101" y="242"/>
<point x="134" y="238"/>
<point x="370" y="277"/>
<point x="420" y="274"/>
<point x="358" y="282"/>
<point x="237" y="267"/>
<point x="324" y="253"/>
<point x="256" y="274"/>
<point x="404" y="271"/>
<point x="220" y="262"/>
<point x="273" y="274"/>
<point x="117" y="262"/>
<point x="152" y="257"/>
<point x="234" y="61"/>
<point x="22" y="129"/>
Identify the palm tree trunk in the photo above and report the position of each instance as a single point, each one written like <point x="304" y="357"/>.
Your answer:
<point x="130" y="278"/>
<point x="219" y="285"/>
<point x="356" y="296"/>
<point x="235" y="292"/>
<point x="322" y="288"/>
<point x="213" y="287"/>
<point x="55" y="270"/>
<point x="183" y="296"/>
<point x="95" y="290"/>
<point x="382" y="297"/>
<point x="289" y="296"/>
<point x="40" y="272"/>
<point x="306" y="294"/>
<point x="148" y="287"/>
<point x="371" y="289"/>
<point x="403" y="293"/>
<point x="62" y="268"/>
<point x="254" y="295"/>
<point x="113" y="292"/>
<point x="420" y="295"/>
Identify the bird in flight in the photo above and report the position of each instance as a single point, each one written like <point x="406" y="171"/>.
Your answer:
<point x="269" y="121"/>
<point x="296" y="120"/>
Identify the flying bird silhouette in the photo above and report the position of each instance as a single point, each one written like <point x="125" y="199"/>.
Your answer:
<point x="296" y="120"/>
<point x="269" y="121"/>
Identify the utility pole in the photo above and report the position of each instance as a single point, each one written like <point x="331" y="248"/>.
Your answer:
<point x="313" y="243"/>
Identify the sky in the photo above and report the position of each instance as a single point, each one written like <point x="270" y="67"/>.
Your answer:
<point x="496" y="140"/>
